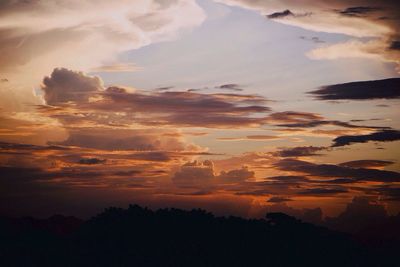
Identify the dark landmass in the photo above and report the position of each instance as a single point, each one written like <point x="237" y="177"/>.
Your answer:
<point x="171" y="237"/>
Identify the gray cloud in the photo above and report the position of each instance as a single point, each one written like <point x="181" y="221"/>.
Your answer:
<point x="230" y="86"/>
<point x="301" y="151"/>
<point x="90" y="161"/>
<point x="367" y="163"/>
<point x="363" y="90"/>
<point x="279" y="199"/>
<point x="380" y="136"/>
<point x="282" y="14"/>
<point x="358" y="11"/>
<point x="64" y="85"/>
<point x="330" y="170"/>
<point x="202" y="174"/>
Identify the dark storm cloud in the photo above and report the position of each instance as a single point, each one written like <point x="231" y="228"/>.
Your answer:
<point x="282" y="14"/>
<point x="331" y="170"/>
<point x="380" y="136"/>
<point x="362" y="90"/>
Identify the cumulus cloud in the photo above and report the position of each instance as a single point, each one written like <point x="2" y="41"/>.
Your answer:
<point x="64" y="85"/>
<point x="195" y="174"/>
<point x="360" y="213"/>
<point x="202" y="174"/>
<point x="38" y="36"/>
<point x="363" y="90"/>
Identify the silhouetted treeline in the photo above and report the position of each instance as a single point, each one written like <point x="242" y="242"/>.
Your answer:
<point x="171" y="237"/>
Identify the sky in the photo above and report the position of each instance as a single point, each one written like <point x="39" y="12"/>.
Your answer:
<point x="236" y="106"/>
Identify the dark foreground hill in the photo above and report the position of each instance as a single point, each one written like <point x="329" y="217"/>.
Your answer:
<point x="170" y="237"/>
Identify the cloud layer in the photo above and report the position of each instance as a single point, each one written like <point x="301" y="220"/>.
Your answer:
<point x="365" y="90"/>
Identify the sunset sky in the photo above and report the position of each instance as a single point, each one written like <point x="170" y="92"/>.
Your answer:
<point x="236" y="106"/>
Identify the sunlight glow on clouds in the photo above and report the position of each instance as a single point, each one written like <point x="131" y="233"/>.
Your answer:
<point x="222" y="143"/>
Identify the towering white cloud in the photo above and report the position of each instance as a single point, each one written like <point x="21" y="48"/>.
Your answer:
<point x="38" y="36"/>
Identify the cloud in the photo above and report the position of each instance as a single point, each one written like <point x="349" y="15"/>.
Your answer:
<point x="293" y="117"/>
<point x="395" y="45"/>
<point x="282" y="14"/>
<point x="90" y="161"/>
<point x="82" y="35"/>
<point x="195" y="174"/>
<point x="116" y="67"/>
<point x="64" y="85"/>
<point x="386" y="192"/>
<point x="358" y="11"/>
<point x="360" y="213"/>
<point x="279" y="199"/>
<point x="331" y="170"/>
<point x="83" y="101"/>
<point x="301" y="151"/>
<point x="366" y="163"/>
<point x="175" y="101"/>
<point x="125" y="139"/>
<point x="379" y="136"/>
<point x="230" y="86"/>
<point x="364" y="90"/>
<point x="202" y="174"/>
<point x="323" y="191"/>
<point x="313" y="39"/>
<point x="367" y="18"/>
<point x="235" y="176"/>
<point x="249" y="137"/>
